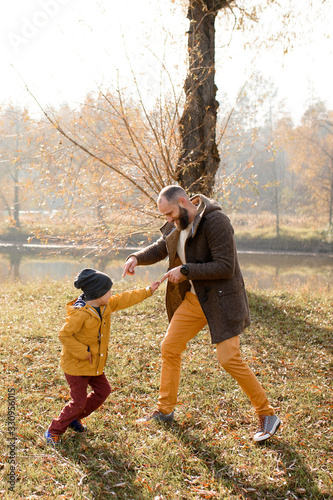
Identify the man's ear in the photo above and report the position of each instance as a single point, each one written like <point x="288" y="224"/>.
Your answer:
<point x="181" y="202"/>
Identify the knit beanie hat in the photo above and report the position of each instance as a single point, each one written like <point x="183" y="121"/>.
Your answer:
<point x="94" y="284"/>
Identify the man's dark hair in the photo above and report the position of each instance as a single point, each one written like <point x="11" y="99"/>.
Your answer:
<point x="172" y="193"/>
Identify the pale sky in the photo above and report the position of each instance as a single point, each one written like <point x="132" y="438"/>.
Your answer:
<point x="64" y="49"/>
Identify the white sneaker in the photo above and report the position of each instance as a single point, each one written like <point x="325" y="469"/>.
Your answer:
<point x="267" y="427"/>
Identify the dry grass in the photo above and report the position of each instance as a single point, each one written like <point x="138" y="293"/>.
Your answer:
<point x="208" y="452"/>
<point x="267" y="219"/>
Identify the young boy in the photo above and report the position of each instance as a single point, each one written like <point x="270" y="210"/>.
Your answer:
<point x="85" y="337"/>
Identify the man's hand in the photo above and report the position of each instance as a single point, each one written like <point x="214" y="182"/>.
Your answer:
<point x="129" y="266"/>
<point x="89" y="357"/>
<point x="174" y="275"/>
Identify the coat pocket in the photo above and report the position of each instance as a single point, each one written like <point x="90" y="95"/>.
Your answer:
<point x="234" y="305"/>
<point x="83" y="364"/>
<point x="231" y="287"/>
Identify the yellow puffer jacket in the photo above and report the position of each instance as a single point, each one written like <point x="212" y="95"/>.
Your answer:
<point x="84" y="328"/>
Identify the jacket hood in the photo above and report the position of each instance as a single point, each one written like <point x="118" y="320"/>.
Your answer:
<point x="205" y="206"/>
<point x="79" y="302"/>
<point x="208" y="204"/>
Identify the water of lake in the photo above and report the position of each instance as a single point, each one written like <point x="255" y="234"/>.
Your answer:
<point x="260" y="270"/>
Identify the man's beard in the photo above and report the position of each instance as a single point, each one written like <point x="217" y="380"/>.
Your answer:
<point x="183" y="219"/>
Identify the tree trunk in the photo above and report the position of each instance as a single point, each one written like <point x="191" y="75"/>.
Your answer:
<point x="16" y="210"/>
<point x="277" y="212"/>
<point x="14" y="267"/>
<point x="6" y="204"/>
<point x="199" y="158"/>
<point x="17" y="206"/>
<point x="331" y="201"/>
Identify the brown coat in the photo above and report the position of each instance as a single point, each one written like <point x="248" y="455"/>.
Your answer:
<point x="211" y="257"/>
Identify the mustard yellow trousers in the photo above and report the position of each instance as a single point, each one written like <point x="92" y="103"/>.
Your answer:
<point x="185" y="324"/>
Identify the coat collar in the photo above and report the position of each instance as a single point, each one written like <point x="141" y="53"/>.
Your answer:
<point x="94" y="312"/>
<point x="201" y="207"/>
<point x="89" y="309"/>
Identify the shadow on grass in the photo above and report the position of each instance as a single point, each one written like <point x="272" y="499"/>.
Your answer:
<point x="107" y="472"/>
<point x="289" y="323"/>
<point x="296" y="475"/>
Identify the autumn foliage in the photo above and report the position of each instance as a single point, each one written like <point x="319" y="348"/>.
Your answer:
<point x="97" y="170"/>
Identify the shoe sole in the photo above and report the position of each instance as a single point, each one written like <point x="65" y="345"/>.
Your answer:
<point x="264" y="438"/>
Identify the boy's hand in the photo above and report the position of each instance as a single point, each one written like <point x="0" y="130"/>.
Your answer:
<point x="154" y="286"/>
<point x="89" y="357"/>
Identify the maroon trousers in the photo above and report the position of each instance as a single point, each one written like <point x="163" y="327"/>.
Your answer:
<point x="82" y="404"/>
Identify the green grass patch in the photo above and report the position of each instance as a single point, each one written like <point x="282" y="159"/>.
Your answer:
<point x="296" y="234"/>
<point x="208" y="453"/>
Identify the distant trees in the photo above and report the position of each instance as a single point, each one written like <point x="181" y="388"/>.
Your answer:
<point x="288" y="168"/>
<point x="108" y="163"/>
<point x="16" y="151"/>
<point x="251" y="152"/>
<point x="311" y="154"/>
<point x="113" y="156"/>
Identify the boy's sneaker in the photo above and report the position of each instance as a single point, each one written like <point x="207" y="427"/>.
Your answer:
<point x="52" y="439"/>
<point x="158" y="416"/>
<point x="267" y="427"/>
<point x="77" y="426"/>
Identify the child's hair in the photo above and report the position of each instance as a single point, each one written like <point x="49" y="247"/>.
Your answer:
<point x="94" y="284"/>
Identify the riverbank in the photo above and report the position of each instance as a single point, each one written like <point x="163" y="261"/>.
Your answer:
<point x="285" y="243"/>
<point x="208" y="452"/>
<point x="281" y="245"/>
<point x="296" y="235"/>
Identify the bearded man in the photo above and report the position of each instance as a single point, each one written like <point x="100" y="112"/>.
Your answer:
<point x="205" y="286"/>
